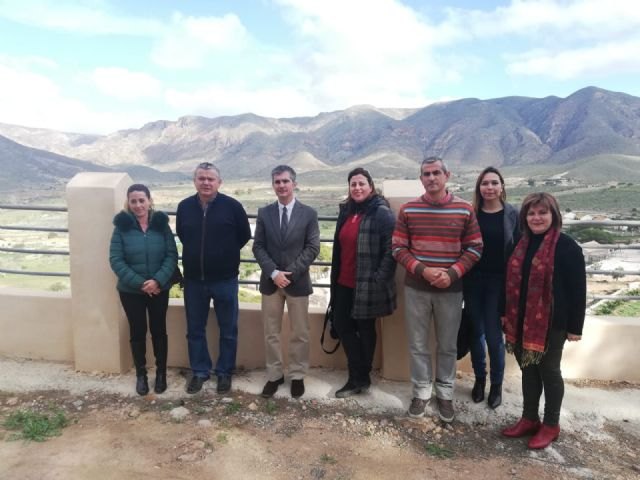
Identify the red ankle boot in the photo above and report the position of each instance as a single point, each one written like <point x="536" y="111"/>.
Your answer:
<point x="522" y="428"/>
<point x="544" y="437"/>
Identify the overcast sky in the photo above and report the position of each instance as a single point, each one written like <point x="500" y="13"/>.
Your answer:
<point x="97" y="66"/>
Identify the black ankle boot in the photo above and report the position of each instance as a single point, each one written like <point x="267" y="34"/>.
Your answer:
<point x="477" y="393"/>
<point x="161" y="382"/>
<point x="495" y="395"/>
<point x="142" y="385"/>
<point x="138" y="351"/>
<point x="160" y="346"/>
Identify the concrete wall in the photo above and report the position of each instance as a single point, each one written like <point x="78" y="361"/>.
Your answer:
<point x="89" y="327"/>
<point x="36" y="324"/>
<point x="250" y="338"/>
<point x="100" y="330"/>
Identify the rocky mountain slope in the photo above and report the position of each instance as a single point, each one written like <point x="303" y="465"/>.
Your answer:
<point x="31" y="168"/>
<point x="590" y="123"/>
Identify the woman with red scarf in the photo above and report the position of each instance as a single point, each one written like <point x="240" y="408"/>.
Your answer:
<point x="545" y="305"/>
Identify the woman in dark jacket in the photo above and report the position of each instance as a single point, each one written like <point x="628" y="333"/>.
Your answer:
<point x="362" y="276"/>
<point x="545" y="305"/>
<point x="144" y="257"/>
<point x="483" y="286"/>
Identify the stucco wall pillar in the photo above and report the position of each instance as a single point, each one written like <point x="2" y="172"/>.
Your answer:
<point x="395" y="351"/>
<point x="100" y="330"/>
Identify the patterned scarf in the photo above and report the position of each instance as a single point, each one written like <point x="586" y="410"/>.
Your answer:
<point x="537" y="315"/>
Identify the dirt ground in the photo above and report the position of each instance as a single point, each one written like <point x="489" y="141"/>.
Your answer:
<point x="242" y="436"/>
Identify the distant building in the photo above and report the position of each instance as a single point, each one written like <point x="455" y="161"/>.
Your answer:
<point x="593" y="252"/>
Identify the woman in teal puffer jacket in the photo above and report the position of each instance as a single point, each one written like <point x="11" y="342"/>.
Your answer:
<point x="144" y="257"/>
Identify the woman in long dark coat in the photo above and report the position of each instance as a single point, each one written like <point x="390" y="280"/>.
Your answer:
<point x="362" y="276"/>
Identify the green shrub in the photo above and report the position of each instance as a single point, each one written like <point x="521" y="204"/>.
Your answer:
<point x="588" y="234"/>
<point x="233" y="407"/>
<point x="31" y="425"/>
<point x="58" y="287"/>
<point x="626" y="308"/>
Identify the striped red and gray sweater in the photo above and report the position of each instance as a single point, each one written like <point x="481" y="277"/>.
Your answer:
<point x="436" y="234"/>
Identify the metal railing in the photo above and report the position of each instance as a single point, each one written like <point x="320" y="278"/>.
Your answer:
<point x="317" y="263"/>
<point x="40" y="208"/>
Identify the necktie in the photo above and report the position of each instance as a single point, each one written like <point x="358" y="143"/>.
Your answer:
<point x="284" y="223"/>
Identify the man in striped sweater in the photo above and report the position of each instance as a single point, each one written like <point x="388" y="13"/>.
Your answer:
<point x="437" y="240"/>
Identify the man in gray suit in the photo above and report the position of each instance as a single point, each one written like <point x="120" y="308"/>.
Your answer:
<point x="287" y="241"/>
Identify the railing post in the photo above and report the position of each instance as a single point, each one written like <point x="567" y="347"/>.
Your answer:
<point x="100" y="331"/>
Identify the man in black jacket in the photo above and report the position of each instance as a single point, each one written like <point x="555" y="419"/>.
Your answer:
<point x="212" y="228"/>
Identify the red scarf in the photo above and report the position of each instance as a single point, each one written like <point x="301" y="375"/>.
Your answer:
<point x="537" y="315"/>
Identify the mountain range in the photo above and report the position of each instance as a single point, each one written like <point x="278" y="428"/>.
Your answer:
<point x="592" y="123"/>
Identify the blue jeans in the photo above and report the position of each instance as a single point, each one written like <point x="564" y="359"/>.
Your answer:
<point x="482" y="295"/>
<point x="197" y="299"/>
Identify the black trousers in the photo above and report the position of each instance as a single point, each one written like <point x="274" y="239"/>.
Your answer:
<point x="136" y="306"/>
<point x="358" y="336"/>
<point x="545" y="376"/>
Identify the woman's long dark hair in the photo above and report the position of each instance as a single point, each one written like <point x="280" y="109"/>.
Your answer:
<point x="477" y="197"/>
<point x="349" y="203"/>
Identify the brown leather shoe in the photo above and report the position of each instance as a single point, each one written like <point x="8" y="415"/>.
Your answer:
<point x="522" y="428"/>
<point x="270" y="388"/>
<point x="544" y="437"/>
<point x="297" y="388"/>
<point x="417" y="408"/>
<point x="445" y="410"/>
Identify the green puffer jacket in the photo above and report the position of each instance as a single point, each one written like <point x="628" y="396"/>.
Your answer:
<point x="136" y="256"/>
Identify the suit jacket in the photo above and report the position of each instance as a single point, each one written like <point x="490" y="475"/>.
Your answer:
<point x="294" y="253"/>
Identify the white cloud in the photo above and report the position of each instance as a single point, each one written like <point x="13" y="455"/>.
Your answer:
<point x="188" y="41"/>
<point x="344" y="53"/>
<point x="339" y="53"/>
<point x="574" y="38"/>
<point x="574" y="18"/>
<point x="124" y="84"/>
<point x="28" y="62"/>
<point x="92" y="18"/>
<point x="377" y="52"/>
<point x="216" y="100"/>
<point x="31" y="99"/>
<point x="567" y="64"/>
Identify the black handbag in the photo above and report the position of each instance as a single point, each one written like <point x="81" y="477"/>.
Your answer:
<point x="176" y="278"/>
<point x="328" y="319"/>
